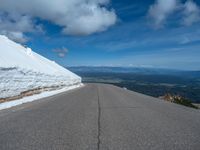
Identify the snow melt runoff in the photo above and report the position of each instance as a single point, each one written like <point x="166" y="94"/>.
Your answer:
<point x="23" y="70"/>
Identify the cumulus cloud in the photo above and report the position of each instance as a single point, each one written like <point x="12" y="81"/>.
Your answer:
<point x="76" y="17"/>
<point x="162" y="9"/>
<point x="61" y="52"/>
<point x="15" y="36"/>
<point x="14" y="26"/>
<point x="191" y="13"/>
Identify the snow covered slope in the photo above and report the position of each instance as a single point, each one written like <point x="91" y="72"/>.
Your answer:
<point x="22" y="70"/>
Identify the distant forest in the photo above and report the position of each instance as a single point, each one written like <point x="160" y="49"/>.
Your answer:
<point x="153" y="82"/>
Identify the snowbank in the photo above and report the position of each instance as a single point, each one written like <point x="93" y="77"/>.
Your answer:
<point x="22" y="70"/>
<point x="10" y="104"/>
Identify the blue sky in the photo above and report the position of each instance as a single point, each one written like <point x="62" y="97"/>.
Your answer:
<point x="141" y="33"/>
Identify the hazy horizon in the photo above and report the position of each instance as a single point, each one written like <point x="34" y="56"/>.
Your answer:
<point x="134" y="67"/>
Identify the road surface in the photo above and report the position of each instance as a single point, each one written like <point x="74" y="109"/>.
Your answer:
<point x="100" y="117"/>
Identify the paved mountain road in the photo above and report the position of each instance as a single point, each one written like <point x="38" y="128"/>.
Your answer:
<point x="100" y="117"/>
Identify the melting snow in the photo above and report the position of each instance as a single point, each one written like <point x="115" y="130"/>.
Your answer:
<point x="10" y="104"/>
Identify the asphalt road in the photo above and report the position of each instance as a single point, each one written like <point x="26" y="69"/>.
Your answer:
<point x="100" y="117"/>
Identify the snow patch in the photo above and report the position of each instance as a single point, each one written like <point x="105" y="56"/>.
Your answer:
<point x="29" y="52"/>
<point x="24" y="100"/>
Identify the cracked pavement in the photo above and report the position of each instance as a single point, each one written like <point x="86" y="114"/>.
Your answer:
<point x="100" y="117"/>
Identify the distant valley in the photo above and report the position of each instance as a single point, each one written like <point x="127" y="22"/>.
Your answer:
<point x="150" y="81"/>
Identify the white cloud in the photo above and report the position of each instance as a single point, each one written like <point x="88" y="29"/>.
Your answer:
<point x="14" y="25"/>
<point x="191" y="13"/>
<point x="162" y="9"/>
<point x="61" y="52"/>
<point x="77" y="17"/>
<point x="15" y="36"/>
<point x="95" y="20"/>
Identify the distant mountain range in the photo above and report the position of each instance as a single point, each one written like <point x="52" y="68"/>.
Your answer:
<point x="135" y="70"/>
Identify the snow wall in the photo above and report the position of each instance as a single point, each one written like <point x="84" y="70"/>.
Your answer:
<point x="23" y="70"/>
